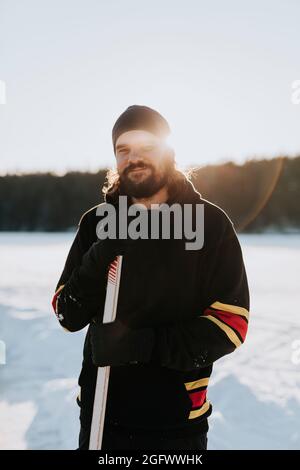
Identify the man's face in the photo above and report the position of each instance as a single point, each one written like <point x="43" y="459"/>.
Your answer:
<point x="142" y="163"/>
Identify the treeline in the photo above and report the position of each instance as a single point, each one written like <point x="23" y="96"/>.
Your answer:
<point x="258" y="195"/>
<point x="47" y="202"/>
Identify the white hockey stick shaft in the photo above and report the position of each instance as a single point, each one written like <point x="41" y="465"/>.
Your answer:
<point x="110" y="310"/>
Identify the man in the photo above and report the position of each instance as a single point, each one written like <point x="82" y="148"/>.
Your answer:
<point x="179" y="310"/>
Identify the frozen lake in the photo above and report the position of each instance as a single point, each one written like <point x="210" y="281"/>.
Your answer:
<point x="255" y="391"/>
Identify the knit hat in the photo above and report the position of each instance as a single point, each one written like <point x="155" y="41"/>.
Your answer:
<point x="143" y="118"/>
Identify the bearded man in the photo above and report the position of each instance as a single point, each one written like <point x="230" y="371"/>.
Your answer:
<point x="178" y="310"/>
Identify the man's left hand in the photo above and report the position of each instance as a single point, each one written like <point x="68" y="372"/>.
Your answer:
<point x="115" y="344"/>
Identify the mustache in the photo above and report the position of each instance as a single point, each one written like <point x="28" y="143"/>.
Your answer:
<point x="136" y="166"/>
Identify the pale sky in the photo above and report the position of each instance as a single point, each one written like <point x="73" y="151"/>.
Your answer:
<point x="220" y="72"/>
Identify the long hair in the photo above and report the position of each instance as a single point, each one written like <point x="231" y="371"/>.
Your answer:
<point x="176" y="180"/>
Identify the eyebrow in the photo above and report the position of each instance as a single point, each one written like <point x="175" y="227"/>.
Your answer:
<point x="120" y="146"/>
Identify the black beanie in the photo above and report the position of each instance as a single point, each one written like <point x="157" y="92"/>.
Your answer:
<point x="143" y="118"/>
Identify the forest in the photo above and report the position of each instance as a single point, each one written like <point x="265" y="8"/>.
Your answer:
<point x="259" y="195"/>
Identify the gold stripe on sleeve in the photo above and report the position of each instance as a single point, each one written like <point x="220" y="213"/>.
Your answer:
<point x="229" y="332"/>
<point x="231" y="308"/>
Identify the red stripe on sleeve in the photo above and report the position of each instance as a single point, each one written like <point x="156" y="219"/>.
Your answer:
<point x="198" y="398"/>
<point x="54" y="300"/>
<point x="231" y="319"/>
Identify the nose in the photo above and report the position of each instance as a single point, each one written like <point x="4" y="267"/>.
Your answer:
<point x="133" y="156"/>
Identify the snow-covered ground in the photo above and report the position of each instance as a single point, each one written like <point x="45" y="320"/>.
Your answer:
<point x="255" y="391"/>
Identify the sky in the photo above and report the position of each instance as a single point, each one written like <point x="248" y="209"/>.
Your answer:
<point x="220" y="72"/>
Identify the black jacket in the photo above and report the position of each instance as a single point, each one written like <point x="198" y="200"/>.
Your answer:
<point x="197" y="303"/>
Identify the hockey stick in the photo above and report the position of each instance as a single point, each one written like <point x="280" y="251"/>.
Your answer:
<point x="110" y="310"/>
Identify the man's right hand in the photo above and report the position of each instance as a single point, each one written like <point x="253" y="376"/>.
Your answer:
<point x="84" y="293"/>
<point x="97" y="259"/>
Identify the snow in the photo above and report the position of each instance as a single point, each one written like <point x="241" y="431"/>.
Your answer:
<point x="38" y="384"/>
<point x="254" y="391"/>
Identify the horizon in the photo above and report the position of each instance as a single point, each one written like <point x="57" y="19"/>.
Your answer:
<point x="190" y="167"/>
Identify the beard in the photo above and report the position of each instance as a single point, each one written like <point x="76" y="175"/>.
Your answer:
<point x="148" y="186"/>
